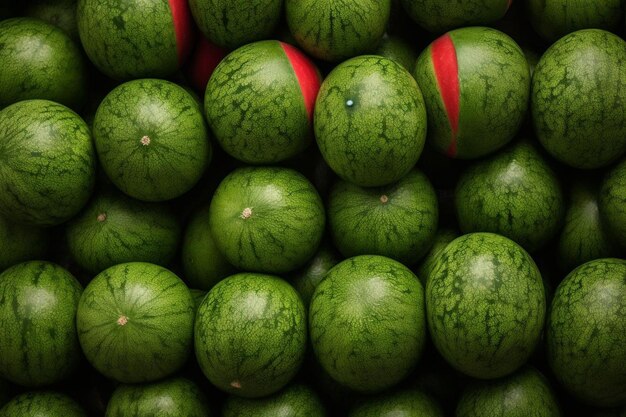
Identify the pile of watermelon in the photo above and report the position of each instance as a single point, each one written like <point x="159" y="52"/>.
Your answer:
<point x="314" y="208"/>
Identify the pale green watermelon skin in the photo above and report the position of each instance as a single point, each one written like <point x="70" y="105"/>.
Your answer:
<point x="42" y="404"/>
<point x="135" y="322"/>
<point x="295" y="400"/>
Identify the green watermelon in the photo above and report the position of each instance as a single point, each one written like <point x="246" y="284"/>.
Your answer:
<point x="440" y="241"/>
<point x="370" y="121"/>
<point x="578" y="103"/>
<point x="485" y="305"/>
<point x="174" y="397"/>
<point x="553" y="19"/>
<point x="203" y="263"/>
<point x="397" y="49"/>
<point x="404" y="403"/>
<point x="60" y="13"/>
<point x="40" y="61"/>
<point x="268" y="219"/>
<point x="135" y="322"/>
<point x="585" y="237"/>
<point x="296" y="400"/>
<point x="129" y="39"/>
<point x="336" y="31"/>
<point x="233" y="23"/>
<point x="613" y="202"/>
<point x="367" y="322"/>
<point x="398" y="221"/>
<point x="151" y="139"/>
<point x="436" y="16"/>
<point x="19" y="242"/>
<point x="114" y="229"/>
<point x="47" y="162"/>
<point x="513" y="193"/>
<point x="38" y="343"/>
<point x="42" y="404"/>
<point x="476" y="84"/>
<point x="586" y="332"/>
<point x="307" y="278"/>
<point x="250" y="334"/>
<point x="259" y="102"/>
<point x="525" y="393"/>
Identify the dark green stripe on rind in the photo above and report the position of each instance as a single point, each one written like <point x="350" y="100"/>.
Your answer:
<point x="42" y="403"/>
<point x="436" y="16"/>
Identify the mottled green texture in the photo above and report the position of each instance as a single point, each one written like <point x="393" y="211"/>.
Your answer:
<point x="526" y="393"/>
<point x="578" y="99"/>
<point x="370" y="121"/>
<point x="135" y="322"/>
<point x="129" y="39"/>
<point x="405" y="403"/>
<point x="294" y="401"/>
<point x="494" y="83"/>
<point x="586" y="332"/>
<point x="585" y="237"/>
<point x="398" y="220"/>
<point x="255" y="107"/>
<point x="485" y="305"/>
<point x="42" y="404"/>
<point x="367" y="322"/>
<point x="251" y="334"/>
<point x="336" y="30"/>
<point x="613" y="202"/>
<point x="60" y="13"/>
<point x="513" y="193"/>
<point x="39" y="61"/>
<point x="38" y="343"/>
<point x="19" y="242"/>
<point x="175" y="397"/>
<point x="439" y="16"/>
<point x="203" y="263"/>
<point x="47" y="162"/>
<point x="267" y="219"/>
<point x="114" y="229"/>
<point x="233" y="23"/>
<point x="440" y="242"/>
<point x="397" y="49"/>
<point x="307" y="278"/>
<point x="151" y="139"/>
<point x="553" y="19"/>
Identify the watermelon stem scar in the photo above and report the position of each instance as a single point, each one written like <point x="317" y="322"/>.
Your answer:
<point x="235" y="384"/>
<point x="246" y="213"/>
<point x="384" y="198"/>
<point x="145" y="141"/>
<point x="101" y="217"/>
<point x="122" y="320"/>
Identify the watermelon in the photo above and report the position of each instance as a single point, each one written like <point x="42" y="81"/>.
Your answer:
<point x="398" y="221"/>
<point x="259" y="102"/>
<point x="397" y="49"/>
<point x="367" y="322"/>
<point x="370" y="121"/>
<point x="128" y="39"/>
<point x="156" y="154"/>
<point x="513" y="193"/>
<point x="295" y="400"/>
<point x="553" y="19"/>
<point x="435" y="16"/>
<point x="47" y="163"/>
<point x="613" y="202"/>
<point x="586" y="332"/>
<point x="334" y="32"/>
<point x="268" y="219"/>
<point x="403" y="403"/>
<point x="42" y="404"/>
<point x="203" y="263"/>
<point x="135" y="322"/>
<point x="251" y="334"/>
<point x="585" y="237"/>
<point x="485" y="305"/>
<point x="578" y="103"/>
<point x="307" y="278"/>
<point x="40" y="61"/>
<point x="174" y="397"/>
<point x="114" y="229"/>
<point x="38" y="343"/>
<point x="19" y="242"/>
<point x="440" y="241"/>
<point x="525" y="393"/>
<point x="60" y="13"/>
<point x="233" y="23"/>
<point x="476" y="84"/>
